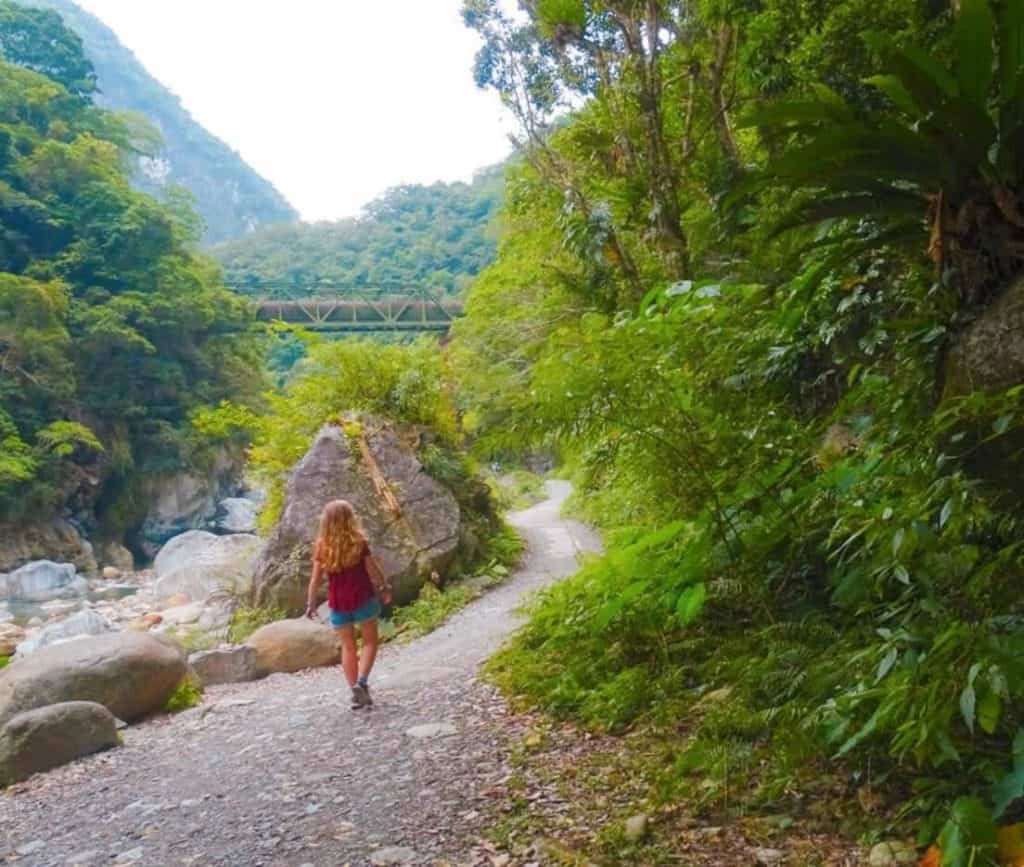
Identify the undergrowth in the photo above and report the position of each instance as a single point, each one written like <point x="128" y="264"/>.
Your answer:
<point x="4" y="661"/>
<point x="187" y="695"/>
<point x="247" y="619"/>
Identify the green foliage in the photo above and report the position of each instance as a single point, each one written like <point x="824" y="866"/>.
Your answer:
<point x="228" y="194"/>
<point x="187" y="695"/>
<point x="431" y="609"/>
<point x="794" y="507"/>
<point x="436" y="236"/>
<point x="113" y="331"/>
<point x="517" y="489"/>
<point x="403" y="383"/>
<point x="246" y="620"/>
<point x="4" y="661"/>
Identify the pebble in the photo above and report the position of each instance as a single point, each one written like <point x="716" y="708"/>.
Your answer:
<point x="392" y="855"/>
<point x="31" y="848"/>
<point x="767" y="857"/>
<point x="636" y="827"/>
<point x="892" y="852"/>
<point x="431" y="730"/>
<point x="131" y="856"/>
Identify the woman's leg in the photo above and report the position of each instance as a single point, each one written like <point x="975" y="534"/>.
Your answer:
<point x="349" y="654"/>
<point x="368" y="632"/>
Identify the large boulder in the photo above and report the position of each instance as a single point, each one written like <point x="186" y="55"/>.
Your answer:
<point x="128" y="673"/>
<point x="11" y="636"/>
<point x="44" y="581"/>
<point x="49" y="540"/>
<point x="421" y="536"/>
<point x="198" y="564"/>
<point x="225" y="665"/>
<point x="48" y="737"/>
<point x="114" y="555"/>
<point x="79" y="625"/>
<point x="236" y="515"/>
<point x="293" y="645"/>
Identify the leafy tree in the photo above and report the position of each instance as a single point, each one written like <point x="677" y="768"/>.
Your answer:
<point x="38" y="40"/>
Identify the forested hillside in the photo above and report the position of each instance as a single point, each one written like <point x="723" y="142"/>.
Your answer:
<point x="760" y="287"/>
<point x="438" y="235"/>
<point x="114" y="333"/>
<point x="229" y="195"/>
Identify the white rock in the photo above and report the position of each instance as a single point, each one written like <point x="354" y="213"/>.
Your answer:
<point x="198" y="564"/>
<point x="80" y="625"/>
<point x="182" y="614"/>
<point x="431" y="730"/>
<point x="237" y="515"/>
<point x="111" y="573"/>
<point x="43" y="581"/>
<point x="767" y="857"/>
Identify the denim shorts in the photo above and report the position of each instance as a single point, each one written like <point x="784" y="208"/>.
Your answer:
<point x="366" y="612"/>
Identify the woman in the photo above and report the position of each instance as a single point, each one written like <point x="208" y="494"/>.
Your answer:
<point x="356" y="587"/>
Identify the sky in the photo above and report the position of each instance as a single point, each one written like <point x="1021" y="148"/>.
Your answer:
<point x="334" y="101"/>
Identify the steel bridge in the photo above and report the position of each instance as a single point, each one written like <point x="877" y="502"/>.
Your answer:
<point x="338" y="307"/>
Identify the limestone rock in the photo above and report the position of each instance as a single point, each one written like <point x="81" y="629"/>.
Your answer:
<point x="43" y="581"/>
<point x="422" y="539"/>
<point x="393" y="855"/>
<point x="111" y="573"/>
<point x="198" y="564"/>
<point x="293" y="645"/>
<point x="225" y="665"/>
<point x="182" y="615"/>
<point x="180" y="502"/>
<point x="236" y="515"/>
<point x="56" y="540"/>
<point x="86" y="622"/>
<point x="48" y="737"/>
<point x="129" y="674"/>
<point x="431" y="730"/>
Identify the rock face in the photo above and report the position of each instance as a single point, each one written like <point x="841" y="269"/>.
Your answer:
<point x="48" y="737"/>
<point x="180" y="502"/>
<point x="129" y="674"/>
<point x="55" y="540"/>
<point x="197" y="564"/>
<point x="236" y="515"/>
<point x="421" y="538"/>
<point x="43" y="581"/>
<point x="225" y="665"/>
<point x="84" y="623"/>
<point x="293" y="645"/>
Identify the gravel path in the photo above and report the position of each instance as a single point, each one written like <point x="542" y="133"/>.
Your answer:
<point x="281" y="772"/>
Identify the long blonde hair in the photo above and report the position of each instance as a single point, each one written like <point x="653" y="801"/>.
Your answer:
<point x="340" y="542"/>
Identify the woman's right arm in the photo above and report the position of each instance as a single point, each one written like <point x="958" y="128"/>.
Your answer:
<point x="314" y="585"/>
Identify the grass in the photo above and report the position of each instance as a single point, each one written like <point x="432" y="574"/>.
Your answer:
<point x="185" y="696"/>
<point x="4" y="661"/>
<point x="246" y="620"/>
<point x="192" y="639"/>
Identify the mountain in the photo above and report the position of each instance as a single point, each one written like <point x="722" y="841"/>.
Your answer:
<point x="229" y="195"/>
<point x="436" y="235"/>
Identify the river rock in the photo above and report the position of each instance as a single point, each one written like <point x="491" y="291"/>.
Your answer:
<point x="198" y="564"/>
<point x="45" y="580"/>
<point x="10" y="637"/>
<point x="182" y="615"/>
<point x="236" y="515"/>
<point x="86" y="622"/>
<point x="293" y="645"/>
<point x="48" y="737"/>
<point x="225" y="665"/>
<point x="130" y="674"/>
<point x="56" y="540"/>
<point x="423" y="538"/>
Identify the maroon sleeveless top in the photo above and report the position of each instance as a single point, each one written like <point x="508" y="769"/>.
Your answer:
<point x="350" y="589"/>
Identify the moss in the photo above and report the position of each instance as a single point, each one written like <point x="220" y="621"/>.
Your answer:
<point x="4" y="661"/>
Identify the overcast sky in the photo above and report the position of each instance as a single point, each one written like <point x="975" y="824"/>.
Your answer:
<point x="332" y="100"/>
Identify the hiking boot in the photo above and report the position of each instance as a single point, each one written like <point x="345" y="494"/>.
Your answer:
<point x="368" y="699"/>
<point x="360" y="697"/>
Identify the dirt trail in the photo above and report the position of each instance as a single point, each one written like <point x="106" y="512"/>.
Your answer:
<point x="281" y="772"/>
